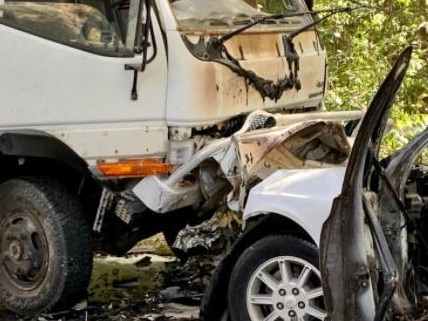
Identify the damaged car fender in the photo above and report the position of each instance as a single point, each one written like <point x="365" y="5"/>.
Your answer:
<point x="285" y="192"/>
<point x="214" y="305"/>
<point x="274" y="207"/>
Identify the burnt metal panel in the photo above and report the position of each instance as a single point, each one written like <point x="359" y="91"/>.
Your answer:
<point x="391" y="217"/>
<point x="348" y="289"/>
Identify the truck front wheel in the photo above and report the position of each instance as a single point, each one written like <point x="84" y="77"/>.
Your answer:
<point x="45" y="243"/>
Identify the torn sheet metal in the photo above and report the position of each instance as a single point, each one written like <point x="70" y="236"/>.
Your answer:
<point x="163" y="195"/>
<point x="215" y="50"/>
<point x="258" y="155"/>
<point x="211" y="236"/>
<point x="266" y="142"/>
<point x="203" y="235"/>
<point x="253" y="156"/>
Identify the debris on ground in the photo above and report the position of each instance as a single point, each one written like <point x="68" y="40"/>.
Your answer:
<point x="143" y="286"/>
<point x="137" y="287"/>
<point x="213" y="236"/>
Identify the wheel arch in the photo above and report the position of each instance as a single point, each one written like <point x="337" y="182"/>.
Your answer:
<point x="39" y="144"/>
<point x="262" y="224"/>
<point x="30" y="152"/>
<point x="215" y="298"/>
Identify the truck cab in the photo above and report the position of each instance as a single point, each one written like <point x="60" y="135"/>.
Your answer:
<point x="100" y="76"/>
<point x="114" y="115"/>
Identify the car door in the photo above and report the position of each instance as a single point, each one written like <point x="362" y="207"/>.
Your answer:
<point x="353" y="246"/>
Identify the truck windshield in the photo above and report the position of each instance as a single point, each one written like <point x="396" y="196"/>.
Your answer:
<point x="223" y="14"/>
<point x="84" y="26"/>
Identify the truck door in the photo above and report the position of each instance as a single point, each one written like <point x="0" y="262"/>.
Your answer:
<point x="63" y="72"/>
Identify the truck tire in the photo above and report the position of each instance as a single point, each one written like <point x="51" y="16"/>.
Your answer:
<point x="45" y="243"/>
<point x="276" y="278"/>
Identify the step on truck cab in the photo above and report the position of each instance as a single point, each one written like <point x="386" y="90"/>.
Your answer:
<point x="114" y="114"/>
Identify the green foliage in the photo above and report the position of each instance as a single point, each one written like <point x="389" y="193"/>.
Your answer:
<point x="362" y="46"/>
<point x="406" y="127"/>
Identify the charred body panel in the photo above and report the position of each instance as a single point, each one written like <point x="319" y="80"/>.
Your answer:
<point x="349" y="290"/>
<point x="407" y="179"/>
<point x="215" y="50"/>
<point x="261" y="68"/>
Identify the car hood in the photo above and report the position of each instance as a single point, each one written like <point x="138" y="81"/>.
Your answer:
<point x="298" y="195"/>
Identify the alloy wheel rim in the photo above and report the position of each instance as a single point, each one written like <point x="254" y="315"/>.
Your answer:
<point x="285" y="288"/>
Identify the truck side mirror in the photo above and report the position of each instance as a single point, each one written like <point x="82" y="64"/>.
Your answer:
<point x="144" y="39"/>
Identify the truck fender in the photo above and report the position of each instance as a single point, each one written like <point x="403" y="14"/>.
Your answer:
<point x="35" y="143"/>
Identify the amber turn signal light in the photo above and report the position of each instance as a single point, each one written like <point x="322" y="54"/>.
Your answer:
<point x="134" y="167"/>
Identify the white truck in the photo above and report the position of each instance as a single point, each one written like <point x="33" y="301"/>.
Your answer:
<point x="116" y="117"/>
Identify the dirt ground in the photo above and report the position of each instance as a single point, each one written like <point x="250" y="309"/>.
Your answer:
<point x="141" y="286"/>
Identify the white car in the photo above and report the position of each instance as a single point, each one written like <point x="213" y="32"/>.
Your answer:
<point x="272" y="272"/>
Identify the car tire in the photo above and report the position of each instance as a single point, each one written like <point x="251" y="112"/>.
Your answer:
<point x="45" y="243"/>
<point x="276" y="278"/>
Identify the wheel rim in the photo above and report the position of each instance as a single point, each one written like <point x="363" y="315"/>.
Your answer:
<point x="285" y="288"/>
<point x="24" y="248"/>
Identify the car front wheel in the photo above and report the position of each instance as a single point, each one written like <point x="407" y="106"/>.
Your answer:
<point x="277" y="278"/>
